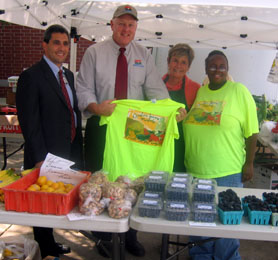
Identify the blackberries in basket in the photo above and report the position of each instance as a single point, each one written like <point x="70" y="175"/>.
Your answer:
<point x="271" y="197"/>
<point x="250" y="198"/>
<point x="229" y="201"/>
<point x="259" y="205"/>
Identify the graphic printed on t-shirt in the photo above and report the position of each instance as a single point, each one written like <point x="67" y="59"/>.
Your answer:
<point x="145" y="128"/>
<point x="206" y="113"/>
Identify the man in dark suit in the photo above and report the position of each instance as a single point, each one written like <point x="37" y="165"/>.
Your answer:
<point x="49" y="117"/>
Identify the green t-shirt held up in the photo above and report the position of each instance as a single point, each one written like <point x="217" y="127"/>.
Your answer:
<point x="140" y="137"/>
<point x="215" y="130"/>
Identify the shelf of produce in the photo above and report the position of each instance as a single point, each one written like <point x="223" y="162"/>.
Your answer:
<point x="242" y="231"/>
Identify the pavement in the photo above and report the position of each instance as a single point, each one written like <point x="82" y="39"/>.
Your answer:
<point x="84" y="249"/>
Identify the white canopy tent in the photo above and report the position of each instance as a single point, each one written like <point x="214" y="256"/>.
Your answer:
<point x="235" y="24"/>
<point x="249" y="24"/>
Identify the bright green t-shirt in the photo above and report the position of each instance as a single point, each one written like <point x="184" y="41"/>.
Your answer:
<point x="140" y="137"/>
<point x="215" y="130"/>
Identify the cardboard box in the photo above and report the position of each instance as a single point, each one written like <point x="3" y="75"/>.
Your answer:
<point x="274" y="180"/>
<point x="10" y="98"/>
<point x="9" y="124"/>
<point x="269" y="172"/>
<point x="17" y="198"/>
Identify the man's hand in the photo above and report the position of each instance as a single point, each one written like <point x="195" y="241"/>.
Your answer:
<point x="181" y="115"/>
<point x="247" y="172"/>
<point x="39" y="164"/>
<point x="103" y="109"/>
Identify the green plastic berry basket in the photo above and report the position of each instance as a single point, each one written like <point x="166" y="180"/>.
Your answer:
<point x="245" y="208"/>
<point x="259" y="217"/>
<point x="274" y="219"/>
<point x="230" y="217"/>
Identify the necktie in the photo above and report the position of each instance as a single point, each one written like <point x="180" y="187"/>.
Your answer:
<point x="121" y="76"/>
<point x="66" y="95"/>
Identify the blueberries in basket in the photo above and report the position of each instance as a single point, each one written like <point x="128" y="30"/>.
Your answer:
<point x="176" y="191"/>
<point x="149" y="207"/>
<point x="229" y="201"/>
<point x="176" y="211"/>
<point x="203" y="193"/>
<point x="204" y="212"/>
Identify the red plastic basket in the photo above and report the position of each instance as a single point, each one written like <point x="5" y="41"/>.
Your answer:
<point x="17" y="198"/>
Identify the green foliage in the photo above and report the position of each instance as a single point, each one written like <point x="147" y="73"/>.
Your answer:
<point x="272" y="112"/>
<point x="261" y="105"/>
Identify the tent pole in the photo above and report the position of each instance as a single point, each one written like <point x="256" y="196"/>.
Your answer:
<point x="73" y="47"/>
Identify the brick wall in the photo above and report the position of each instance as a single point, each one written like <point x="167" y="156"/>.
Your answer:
<point x="3" y="91"/>
<point x="21" y="47"/>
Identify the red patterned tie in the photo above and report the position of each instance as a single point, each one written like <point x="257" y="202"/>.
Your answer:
<point x="121" y="76"/>
<point x="66" y="95"/>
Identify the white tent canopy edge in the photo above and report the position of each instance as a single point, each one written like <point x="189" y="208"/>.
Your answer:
<point x="230" y="24"/>
<point x="235" y="24"/>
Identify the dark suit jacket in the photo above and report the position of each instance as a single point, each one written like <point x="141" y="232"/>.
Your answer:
<point x="44" y="116"/>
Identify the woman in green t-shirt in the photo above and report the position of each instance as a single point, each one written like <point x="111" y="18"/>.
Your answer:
<point x="220" y="135"/>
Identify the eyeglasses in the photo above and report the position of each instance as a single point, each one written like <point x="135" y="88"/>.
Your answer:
<point x="221" y="69"/>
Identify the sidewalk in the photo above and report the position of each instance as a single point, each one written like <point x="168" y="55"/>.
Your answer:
<point x="83" y="248"/>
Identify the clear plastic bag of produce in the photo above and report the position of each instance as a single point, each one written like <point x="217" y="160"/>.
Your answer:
<point x="19" y="247"/>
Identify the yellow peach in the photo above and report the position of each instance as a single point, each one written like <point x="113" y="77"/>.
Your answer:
<point x="42" y="180"/>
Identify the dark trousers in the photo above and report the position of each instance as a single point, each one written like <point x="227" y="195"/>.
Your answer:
<point x="94" y="144"/>
<point x="45" y="239"/>
<point x="179" y="152"/>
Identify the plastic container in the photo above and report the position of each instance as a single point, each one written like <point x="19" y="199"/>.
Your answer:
<point x="259" y="217"/>
<point x="12" y="81"/>
<point x="204" y="212"/>
<point x="177" y="191"/>
<point x="204" y="181"/>
<point x="150" y="208"/>
<point x="152" y="195"/>
<point x="181" y="174"/>
<point x="160" y="173"/>
<point x="230" y="217"/>
<point x="176" y="211"/>
<point x="203" y="192"/>
<point x="274" y="219"/>
<point x="156" y="182"/>
<point x="245" y="208"/>
<point x="182" y="177"/>
<point x="17" y="198"/>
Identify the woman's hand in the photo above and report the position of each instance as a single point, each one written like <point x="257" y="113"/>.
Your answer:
<point x="182" y="114"/>
<point x="247" y="172"/>
<point x="248" y="169"/>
